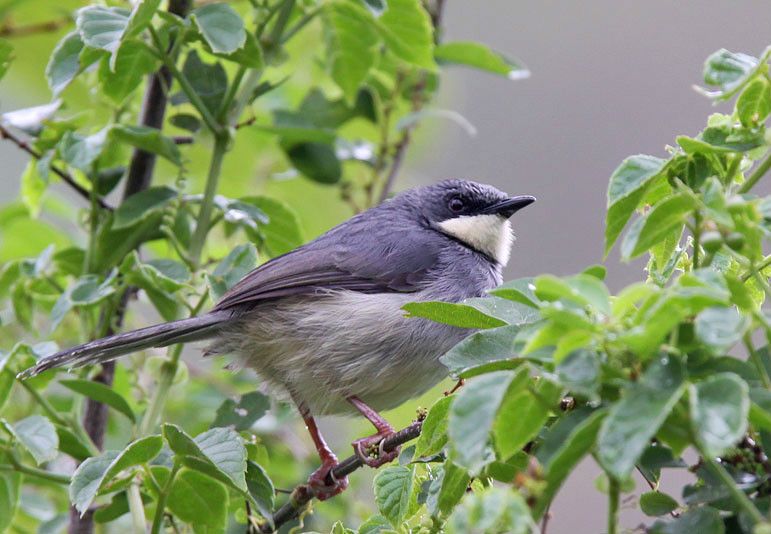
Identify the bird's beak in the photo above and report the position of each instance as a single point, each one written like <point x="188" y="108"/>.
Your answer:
<point x="510" y="206"/>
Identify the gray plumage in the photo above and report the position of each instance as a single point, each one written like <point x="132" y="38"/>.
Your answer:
<point x="324" y="322"/>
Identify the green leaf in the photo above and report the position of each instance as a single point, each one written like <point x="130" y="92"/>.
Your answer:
<point x="221" y="26"/>
<point x="351" y="45"/>
<point x="481" y="57"/>
<point x="521" y="290"/>
<point x="408" y="33"/>
<point x="655" y="503"/>
<point x="86" y="291"/>
<point x="132" y="63"/>
<point x="396" y="493"/>
<point x="729" y="71"/>
<point x="149" y="140"/>
<point x="71" y="444"/>
<point x="140" y="206"/>
<point x="628" y="185"/>
<point x="317" y="161"/>
<point x="232" y="269"/>
<point x="102" y="27"/>
<point x="566" y="442"/>
<point x="506" y="310"/>
<point x="209" y="81"/>
<point x="720" y="328"/>
<point x="220" y="447"/>
<point x="481" y="348"/>
<point x="433" y="435"/>
<point x="141" y="16"/>
<point x="6" y="56"/>
<point x="376" y="524"/>
<point x="522" y="414"/>
<point x="447" y="489"/>
<point x="261" y="489"/>
<point x="64" y="64"/>
<point x="199" y="500"/>
<point x="719" y="409"/>
<point x="100" y="393"/>
<point x="458" y="315"/>
<point x="38" y="435"/>
<point x="32" y="188"/>
<point x="754" y="104"/>
<point x="94" y="473"/>
<point x="250" y="55"/>
<point x="242" y="415"/>
<point x="635" y="419"/>
<point x="82" y="151"/>
<point x="473" y="412"/>
<point x="10" y="488"/>
<point x="582" y="289"/>
<point x="282" y="232"/>
<point x="656" y="225"/>
<point x="493" y="510"/>
<point x="580" y="372"/>
<point x="704" y="520"/>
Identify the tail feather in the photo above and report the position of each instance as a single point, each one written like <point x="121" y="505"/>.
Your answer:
<point x="112" y="347"/>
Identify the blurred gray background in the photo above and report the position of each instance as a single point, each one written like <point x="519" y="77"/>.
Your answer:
<point x="609" y="79"/>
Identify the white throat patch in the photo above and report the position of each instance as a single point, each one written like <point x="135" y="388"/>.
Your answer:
<point x="490" y="234"/>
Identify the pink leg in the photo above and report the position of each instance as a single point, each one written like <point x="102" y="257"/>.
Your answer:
<point x="370" y="449"/>
<point x="317" y="482"/>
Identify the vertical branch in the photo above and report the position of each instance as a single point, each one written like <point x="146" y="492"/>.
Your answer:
<point x="138" y="178"/>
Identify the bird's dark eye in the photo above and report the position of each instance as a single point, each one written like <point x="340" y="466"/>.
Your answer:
<point x="456" y="205"/>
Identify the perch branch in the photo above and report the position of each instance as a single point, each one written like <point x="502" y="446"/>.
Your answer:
<point x="68" y="179"/>
<point x="301" y="495"/>
<point x="9" y="29"/>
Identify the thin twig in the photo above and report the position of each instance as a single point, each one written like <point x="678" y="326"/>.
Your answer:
<point x="301" y="495"/>
<point x="9" y="29"/>
<point x="188" y="139"/>
<point x="64" y="175"/>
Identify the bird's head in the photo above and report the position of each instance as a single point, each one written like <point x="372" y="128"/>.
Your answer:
<point x="475" y="214"/>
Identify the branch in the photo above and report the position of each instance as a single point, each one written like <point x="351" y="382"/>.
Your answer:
<point x="301" y="495"/>
<point x="8" y="29"/>
<point x="64" y="175"/>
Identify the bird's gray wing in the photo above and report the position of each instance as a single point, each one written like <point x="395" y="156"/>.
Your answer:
<point x="372" y="254"/>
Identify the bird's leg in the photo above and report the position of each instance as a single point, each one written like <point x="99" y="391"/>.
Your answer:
<point x="370" y="449"/>
<point x="317" y="482"/>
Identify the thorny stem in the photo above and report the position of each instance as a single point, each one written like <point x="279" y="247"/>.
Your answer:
<point x="756" y="175"/>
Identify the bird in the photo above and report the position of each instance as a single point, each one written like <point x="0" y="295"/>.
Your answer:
<point x="323" y="324"/>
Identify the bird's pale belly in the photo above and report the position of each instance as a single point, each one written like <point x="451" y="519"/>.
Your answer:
<point x="341" y="344"/>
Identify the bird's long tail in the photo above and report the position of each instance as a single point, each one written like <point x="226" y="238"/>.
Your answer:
<point x="111" y="347"/>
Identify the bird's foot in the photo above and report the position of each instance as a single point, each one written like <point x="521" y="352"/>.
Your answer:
<point x="370" y="449"/>
<point x="318" y="482"/>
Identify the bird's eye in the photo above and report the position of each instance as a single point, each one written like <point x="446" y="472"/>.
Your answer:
<point x="456" y="205"/>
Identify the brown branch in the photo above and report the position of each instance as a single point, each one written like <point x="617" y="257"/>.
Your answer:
<point x="302" y="495"/>
<point x="64" y="175"/>
<point x="9" y="29"/>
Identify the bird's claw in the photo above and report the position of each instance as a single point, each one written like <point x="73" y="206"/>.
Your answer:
<point x="318" y="484"/>
<point x="370" y="450"/>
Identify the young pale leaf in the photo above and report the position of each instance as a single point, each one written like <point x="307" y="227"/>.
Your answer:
<point x="628" y="185"/>
<point x="719" y="409"/>
<point x="64" y="64"/>
<point x="97" y="471"/>
<point x="149" y="140"/>
<point x="32" y="188"/>
<point x="408" y="34"/>
<point x="703" y="519"/>
<point x="30" y="120"/>
<point x="242" y="415"/>
<point x="199" y="500"/>
<point x="473" y="412"/>
<point x="650" y="229"/>
<point x="459" y="315"/>
<point x="493" y="510"/>
<point x="634" y="420"/>
<point x="82" y="151"/>
<point x="38" y="435"/>
<point x="261" y="489"/>
<point x="720" y="328"/>
<point x="351" y="41"/>
<point x="102" y="27"/>
<point x="233" y="268"/>
<point x="100" y="393"/>
<point x="10" y="486"/>
<point x="396" y="493"/>
<point x="482" y="348"/>
<point x="481" y="57"/>
<point x="655" y="503"/>
<point x="140" y="206"/>
<point x="447" y="489"/>
<point x="221" y="26"/>
<point x="6" y="56"/>
<point x="754" y="104"/>
<point x="433" y="435"/>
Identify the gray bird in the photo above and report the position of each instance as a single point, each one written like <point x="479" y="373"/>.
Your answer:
<point x="324" y="325"/>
